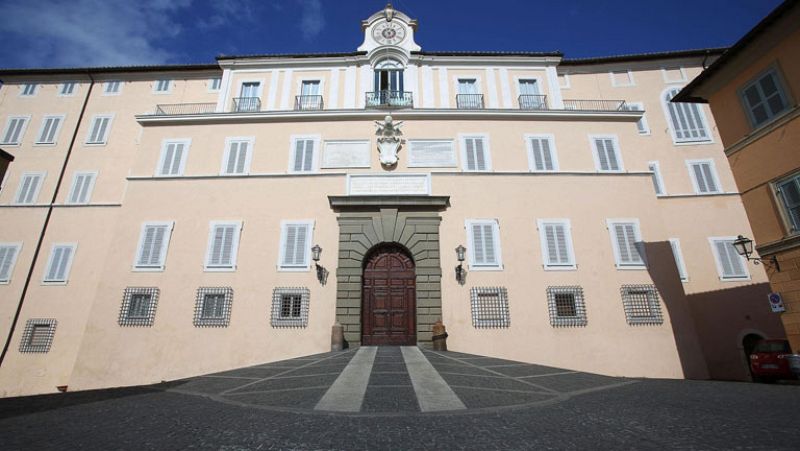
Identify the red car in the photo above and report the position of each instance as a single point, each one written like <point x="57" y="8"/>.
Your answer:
<point x="769" y="361"/>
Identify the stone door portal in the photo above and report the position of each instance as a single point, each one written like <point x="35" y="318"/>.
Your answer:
<point x="389" y="298"/>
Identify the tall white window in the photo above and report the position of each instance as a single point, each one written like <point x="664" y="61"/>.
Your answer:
<point x="151" y="252"/>
<point x="658" y="182"/>
<point x="467" y="86"/>
<point x="29" y="89"/>
<point x="8" y="258"/>
<point x="675" y="244"/>
<point x="541" y="153"/>
<point x="483" y="236"/>
<point x="112" y="87"/>
<point x="556" y="238"/>
<point x="626" y="242"/>
<point x="303" y="154"/>
<point x="29" y="186"/>
<point x="764" y="97"/>
<point x="162" y="86"/>
<point x="51" y="125"/>
<point x="59" y="263"/>
<point x="621" y="78"/>
<point x="15" y="130"/>
<point x="249" y="97"/>
<point x="673" y="74"/>
<point x="309" y="88"/>
<point x="214" y="84"/>
<point x="730" y="264"/>
<point x="529" y="96"/>
<point x="606" y="153"/>
<point x="704" y="176"/>
<point x="686" y="120"/>
<point x="236" y="158"/>
<point x="173" y="157"/>
<point x="98" y="131"/>
<point x="475" y="153"/>
<point x="295" y="245"/>
<point x="641" y="125"/>
<point x="67" y="88"/>
<point x="82" y="187"/>
<point x="223" y="246"/>
<point x="789" y="192"/>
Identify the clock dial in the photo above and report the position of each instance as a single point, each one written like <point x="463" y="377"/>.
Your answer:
<point x="389" y="33"/>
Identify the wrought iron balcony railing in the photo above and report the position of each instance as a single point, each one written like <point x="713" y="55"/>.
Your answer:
<point x="185" y="108"/>
<point x="469" y="101"/>
<point x="594" y="105"/>
<point x="532" y="102"/>
<point x="389" y="99"/>
<point x="246" y="104"/>
<point x="308" y="103"/>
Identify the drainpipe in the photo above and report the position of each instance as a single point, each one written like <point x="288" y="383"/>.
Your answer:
<point x="46" y="222"/>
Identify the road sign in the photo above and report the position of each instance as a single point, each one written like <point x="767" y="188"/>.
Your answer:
<point x="776" y="303"/>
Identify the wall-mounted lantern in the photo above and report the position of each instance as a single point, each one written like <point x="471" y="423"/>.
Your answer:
<point x="744" y="247"/>
<point x="322" y="273"/>
<point x="461" y="273"/>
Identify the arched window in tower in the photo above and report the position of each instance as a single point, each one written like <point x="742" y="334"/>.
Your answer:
<point x="388" y="86"/>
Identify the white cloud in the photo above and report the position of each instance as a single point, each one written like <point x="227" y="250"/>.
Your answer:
<point x="311" y="20"/>
<point x="226" y="12"/>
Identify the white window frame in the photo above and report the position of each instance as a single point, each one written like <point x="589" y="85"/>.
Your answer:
<point x="89" y="191"/>
<point x="614" y="84"/>
<point x="250" y="140"/>
<point x="453" y="163"/>
<point x="657" y="175"/>
<point x="712" y="241"/>
<point x="164" y="250"/>
<point x="668" y="117"/>
<point x="156" y="83"/>
<point x="314" y="159"/>
<point x="572" y="264"/>
<point x="465" y="77"/>
<point x="107" y="133"/>
<point x="665" y="74"/>
<point x="39" y="142"/>
<point x="282" y="245"/>
<point x="36" y="192"/>
<point x="782" y="91"/>
<point x="498" y="266"/>
<point x="67" y="269"/>
<point x="565" y="77"/>
<point x="714" y="176"/>
<point x="643" y="120"/>
<point x="462" y="142"/>
<point x="617" y="151"/>
<point x="187" y="144"/>
<point x="234" y="247"/>
<point x="675" y="245"/>
<point x="260" y="81"/>
<point x="107" y="84"/>
<point x="61" y="86"/>
<point x="302" y="80"/>
<point x="26" y="120"/>
<point x="780" y="199"/>
<point x="539" y="84"/>
<point x="553" y="152"/>
<point x="210" y="84"/>
<point x="18" y="246"/>
<point x="610" y="223"/>
<point x="23" y="87"/>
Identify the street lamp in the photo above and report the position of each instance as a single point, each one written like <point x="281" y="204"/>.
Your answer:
<point x="460" y="272"/>
<point x="744" y="247"/>
<point x="322" y="273"/>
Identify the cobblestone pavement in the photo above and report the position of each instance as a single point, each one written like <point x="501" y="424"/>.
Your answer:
<point x="503" y="405"/>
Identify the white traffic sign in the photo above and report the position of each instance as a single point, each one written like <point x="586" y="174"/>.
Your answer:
<point x="776" y="303"/>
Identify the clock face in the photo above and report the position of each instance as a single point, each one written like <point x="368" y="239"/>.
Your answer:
<point x="389" y="33"/>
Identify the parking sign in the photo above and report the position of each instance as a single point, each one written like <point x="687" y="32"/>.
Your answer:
<point x="776" y="303"/>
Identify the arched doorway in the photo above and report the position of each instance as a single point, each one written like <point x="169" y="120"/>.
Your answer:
<point x="748" y="343"/>
<point x="388" y="309"/>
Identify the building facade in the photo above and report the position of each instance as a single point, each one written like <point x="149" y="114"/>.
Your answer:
<point x="159" y="221"/>
<point x="753" y="91"/>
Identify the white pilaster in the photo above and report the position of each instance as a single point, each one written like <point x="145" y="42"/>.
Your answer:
<point x="365" y="77"/>
<point x="556" y="101"/>
<point x="444" y="89"/>
<point x="350" y="87"/>
<point x="287" y="89"/>
<point x="505" y="87"/>
<point x="427" y="92"/>
<point x="491" y="87"/>
<point x="224" y="91"/>
<point x="273" y="90"/>
<point x="411" y="75"/>
<point x="332" y="102"/>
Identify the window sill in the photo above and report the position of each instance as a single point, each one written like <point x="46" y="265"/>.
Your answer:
<point x="486" y="268"/>
<point x="219" y="269"/>
<point x="631" y="267"/>
<point x="693" y="143"/>
<point x="148" y="269"/>
<point x="37" y="144"/>
<point x="561" y="268"/>
<point x="735" y="279"/>
<point x="293" y="268"/>
<point x="97" y="144"/>
<point x="54" y="282"/>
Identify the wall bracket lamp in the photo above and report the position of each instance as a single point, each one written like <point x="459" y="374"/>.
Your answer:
<point x="744" y="247"/>
<point x="322" y="273"/>
<point x="461" y="273"/>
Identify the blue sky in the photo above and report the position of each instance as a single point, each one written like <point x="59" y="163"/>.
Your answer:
<point x="80" y="33"/>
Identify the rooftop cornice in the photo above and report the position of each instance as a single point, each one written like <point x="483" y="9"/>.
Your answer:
<point x="713" y="51"/>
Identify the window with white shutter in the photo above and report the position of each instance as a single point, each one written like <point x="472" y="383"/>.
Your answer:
<point x="67" y="88"/>
<point x="112" y="87"/>
<point x="431" y="153"/>
<point x="223" y="246"/>
<point x="151" y="253"/>
<point x="764" y="97"/>
<point x="51" y="125"/>
<point x="606" y="153"/>
<point x="82" y="187"/>
<point x="303" y="154"/>
<point x="236" y="158"/>
<point x="475" y="153"/>
<point x="162" y="86"/>
<point x="99" y="128"/>
<point x="641" y="125"/>
<point x="789" y="193"/>
<point x="29" y="89"/>
<point x="556" y="238"/>
<point x="214" y="84"/>
<point x="29" y="186"/>
<point x="730" y="265"/>
<point x="8" y="258"/>
<point x="687" y="120"/>
<point x="173" y="157"/>
<point x="704" y="176"/>
<point x="14" y="131"/>
<point x="541" y="153"/>
<point x="627" y="243"/>
<point x="295" y="245"/>
<point x="483" y="244"/>
<point x="675" y="244"/>
<point x="59" y="263"/>
<point x="658" y="182"/>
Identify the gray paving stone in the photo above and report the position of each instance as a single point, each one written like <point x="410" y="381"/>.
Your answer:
<point x="304" y="398"/>
<point x="209" y="385"/>
<point x="290" y="382"/>
<point x="527" y="370"/>
<point x="255" y="372"/>
<point x="389" y="379"/>
<point x="390" y="399"/>
<point x="485" y="382"/>
<point x="576" y="381"/>
<point x="476" y="398"/>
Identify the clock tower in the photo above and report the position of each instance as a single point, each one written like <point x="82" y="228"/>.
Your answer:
<point x="389" y="29"/>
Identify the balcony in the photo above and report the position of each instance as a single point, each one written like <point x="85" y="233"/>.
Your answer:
<point x="246" y="104"/>
<point x="185" y="108"/>
<point x="469" y="101"/>
<point x="308" y="103"/>
<point x="532" y="102"/>
<point x="389" y="99"/>
<point x="594" y="105"/>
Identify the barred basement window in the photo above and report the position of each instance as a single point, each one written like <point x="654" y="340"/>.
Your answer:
<point x="489" y="307"/>
<point x="641" y="304"/>
<point x="38" y="335"/>
<point x="138" y="306"/>
<point x="213" y="307"/>
<point x="290" y="307"/>
<point x="566" y="306"/>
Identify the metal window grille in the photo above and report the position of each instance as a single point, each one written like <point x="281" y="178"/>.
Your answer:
<point x="138" y="306"/>
<point x="566" y="306"/>
<point x="38" y="335"/>
<point x="290" y="307"/>
<point x="212" y="307"/>
<point x="641" y="304"/>
<point x="490" y="307"/>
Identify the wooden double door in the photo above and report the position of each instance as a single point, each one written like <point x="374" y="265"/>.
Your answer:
<point x="388" y="310"/>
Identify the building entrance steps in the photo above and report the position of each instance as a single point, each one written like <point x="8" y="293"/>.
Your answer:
<point x="405" y="380"/>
